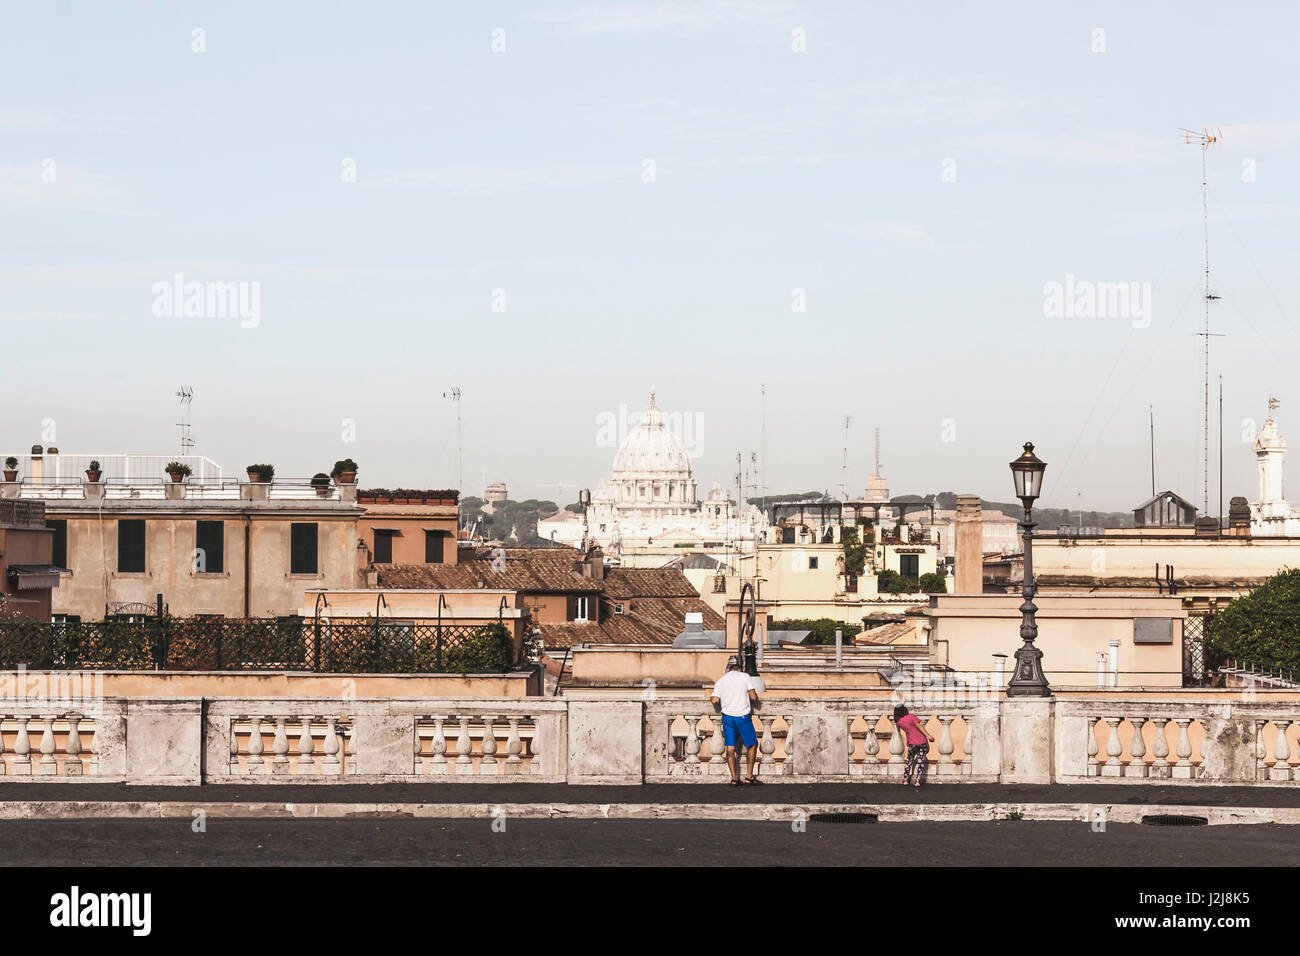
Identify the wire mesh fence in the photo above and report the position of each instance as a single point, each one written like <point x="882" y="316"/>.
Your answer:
<point x="232" y="644"/>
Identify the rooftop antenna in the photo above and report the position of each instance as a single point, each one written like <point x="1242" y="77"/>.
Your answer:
<point x="1205" y="139"/>
<point x="186" y="395"/>
<point x="454" y="395"/>
<point x="1152" y="413"/>
<point x="877" y="449"/>
<point x="762" y="443"/>
<point x="844" y="466"/>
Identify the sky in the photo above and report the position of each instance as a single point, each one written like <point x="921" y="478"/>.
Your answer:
<point x="777" y="214"/>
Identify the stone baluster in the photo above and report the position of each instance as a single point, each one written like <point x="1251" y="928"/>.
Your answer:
<point x="1281" y="769"/>
<point x="94" y="745"/>
<point x="1112" y="767"/>
<point x="306" y="749"/>
<point x="767" y="746"/>
<point x="871" y="746"/>
<point x="48" y="766"/>
<point x="22" y="749"/>
<point x="1261" y="750"/>
<point x="946" y="764"/>
<point x="1183" y="769"/>
<point x="72" y="767"/>
<point x="968" y="744"/>
<point x="438" y="760"/>
<point x="896" y="758"/>
<point x="716" y="746"/>
<point x="464" y="765"/>
<point x="330" y="764"/>
<point x="1137" y="767"/>
<point x="514" y="746"/>
<point x="853" y="744"/>
<point x="787" y="763"/>
<point x="349" y="747"/>
<point x="3" y="769"/>
<point x="488" y="765"/>
<point x="280" y="747"/>
<point x="693" y="738"/>
<point x="535" y="743"/>
<point x="1094" y="765"/>
<point x="1160" y="749"/>
<point x="255" y="746"/>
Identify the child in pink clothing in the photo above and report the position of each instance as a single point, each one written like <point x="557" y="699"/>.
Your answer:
<point x="918" y="745"/>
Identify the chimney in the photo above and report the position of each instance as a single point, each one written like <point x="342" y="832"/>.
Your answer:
<point x="1239" y="517"/>
<point x="36" y="471"/>
<point x="968" y="546"/>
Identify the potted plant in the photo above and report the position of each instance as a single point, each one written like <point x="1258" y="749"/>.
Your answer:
<point x="11" y="468"/>
<point x="344" y="472"/>
<point x="178" y="471"/>
<point x="321" y="482"/>
<point x="94" y="472"/>
<point x="261" y="474"/>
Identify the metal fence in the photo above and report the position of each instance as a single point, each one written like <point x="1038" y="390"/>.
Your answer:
<point x="234" y="644"/>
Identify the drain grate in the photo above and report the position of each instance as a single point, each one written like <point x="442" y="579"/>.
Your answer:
<point x="843" y="818"/>
<point x="1174" y="820"/>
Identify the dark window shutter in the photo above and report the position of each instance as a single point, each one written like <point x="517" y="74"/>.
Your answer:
<point x="383" y="547"/>
<point x="59" y="554"/>
<point x="130" y="546"/>
<point x="302" y="549"/>
<point x="210" y="538"/>
<point x="433" y="547"/>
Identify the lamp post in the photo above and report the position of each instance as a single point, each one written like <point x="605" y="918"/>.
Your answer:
<point x="1028" y="679"/>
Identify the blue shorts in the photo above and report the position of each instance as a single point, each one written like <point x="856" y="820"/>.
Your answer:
<point x="743" y="727"/>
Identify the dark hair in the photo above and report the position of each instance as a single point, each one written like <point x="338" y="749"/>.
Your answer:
<point x="899" y="713"/>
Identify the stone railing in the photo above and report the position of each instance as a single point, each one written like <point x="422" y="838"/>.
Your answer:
<point x="584" y="739"/>
<point x="79" y="743"/>
<point x="1213" y="742"/>
<point x="280" y="740"/>
<point x="825" y="740"/>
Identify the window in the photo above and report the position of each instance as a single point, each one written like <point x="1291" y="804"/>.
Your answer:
<point x="383" y="546"/>
<point x="60" y="553"/>
<point x="909" y="566"/>
<point x="130" y="546"/>
<point x="210" y="542"/>
<point x="302" y="548"/>
<point x="618" y="608"/>
<point x="433" y="547"/>
<point x="812" y="564"/>
<point x="580" y="609"/>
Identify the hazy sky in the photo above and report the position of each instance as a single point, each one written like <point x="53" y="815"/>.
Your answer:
<point x="556" y="206"/>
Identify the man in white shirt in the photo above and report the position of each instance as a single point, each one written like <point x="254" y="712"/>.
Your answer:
<point x="734" y="695"/>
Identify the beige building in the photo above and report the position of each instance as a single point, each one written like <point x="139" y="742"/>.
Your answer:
<point x="1115" y="640"/>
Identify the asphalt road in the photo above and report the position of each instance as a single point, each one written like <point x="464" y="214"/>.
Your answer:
<point x="397" y="842"/>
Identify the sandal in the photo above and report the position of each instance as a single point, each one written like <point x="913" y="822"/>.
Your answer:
<point x="735" y="783"/>
<point x="753" y="781"/>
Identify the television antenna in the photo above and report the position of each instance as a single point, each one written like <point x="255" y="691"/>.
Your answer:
<point x="1205" y="139"/>
<point x="454" y="395"/>
<point x="844" y="465"/>
<point x="186" y="394"/>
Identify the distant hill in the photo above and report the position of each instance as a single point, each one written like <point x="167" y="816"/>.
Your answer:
<point x="519" y="516"/>
<point x="1048" y="519"/>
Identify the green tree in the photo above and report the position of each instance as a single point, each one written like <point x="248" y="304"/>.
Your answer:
<point x="822" y="628"/>
<point x="1263" y="626"/>
<point x="890" y="581"/>
<point x="933" y="583"/>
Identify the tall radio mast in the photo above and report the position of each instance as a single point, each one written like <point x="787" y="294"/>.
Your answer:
<point x="1205" y="139"/>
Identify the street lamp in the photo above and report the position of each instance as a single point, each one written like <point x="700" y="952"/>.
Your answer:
<point x="1028" y="679"/>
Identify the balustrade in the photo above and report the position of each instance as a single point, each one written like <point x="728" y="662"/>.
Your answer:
<point x="60" y="750"/>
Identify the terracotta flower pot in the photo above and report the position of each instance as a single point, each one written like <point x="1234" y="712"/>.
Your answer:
<point x="93" y="476"/>
<point x="346" y="478"/>
<point x="176" y="476"/>
<point x="11" y="474"/>
<point x="257" y="477"/>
